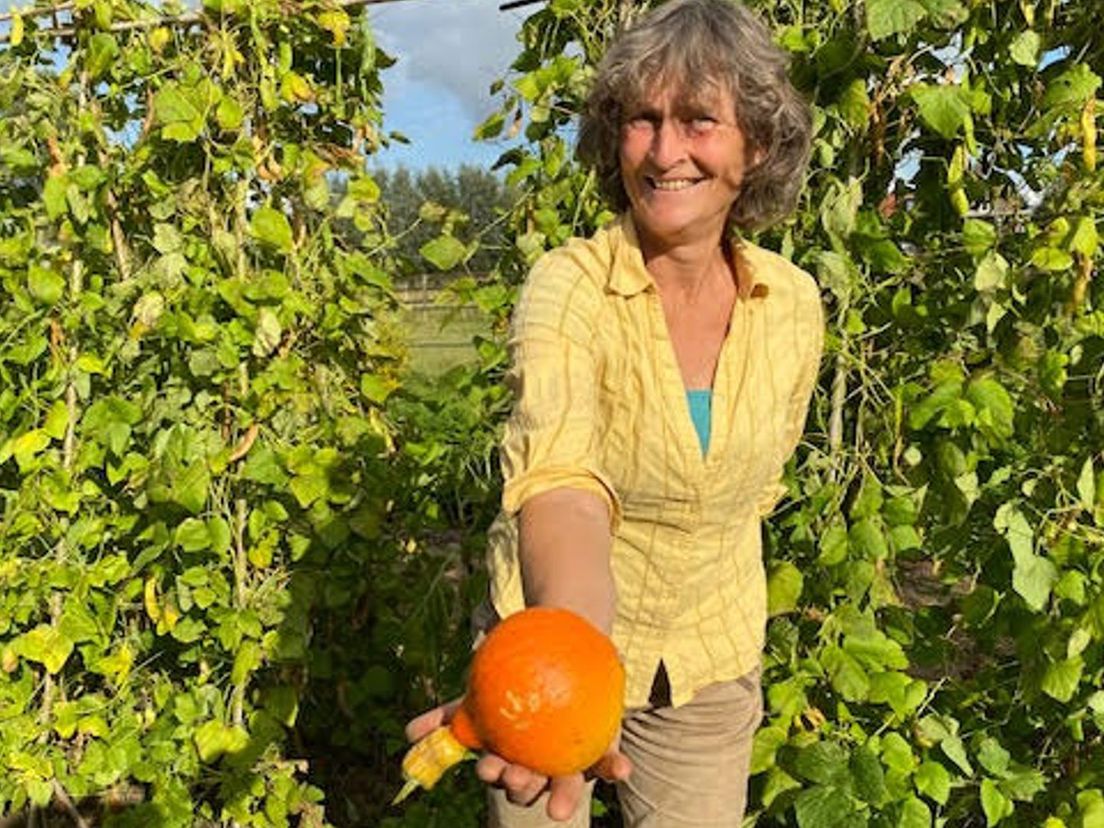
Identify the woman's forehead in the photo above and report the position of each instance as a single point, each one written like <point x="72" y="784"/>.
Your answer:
<point x="680" y="94"/>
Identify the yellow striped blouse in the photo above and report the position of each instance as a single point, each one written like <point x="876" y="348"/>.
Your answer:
<point x="600" y="406"/>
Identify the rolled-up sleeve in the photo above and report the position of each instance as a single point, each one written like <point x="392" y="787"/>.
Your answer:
<point x="551" y="437"/>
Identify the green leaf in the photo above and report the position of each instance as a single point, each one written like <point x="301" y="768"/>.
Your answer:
<point x="854" y="104"/>
<point x="927" y="408"/>
<point x="53" y="196"/>
<point x="377" y="387"/>
<point x="1011" y="523"/>
<point x="992" y="756"/>
<point x="874" y="650"/>
<point x="27" y="446"/>
<point x="282" y="703"/>
<point x="57" y="421"/>
<point x="890" y="17"/>
<point x="179" y="116"/>
<point x="822" y="762"/>
<point x="1084" y="239"/>
<point x="188" y="630"/>
<point x="823" y="807"/>
<point x="270" y="226"/>
<point x="47" y="286"/>
<point x="897" y="754"/>
<point x="1025" y="48"/>
<point x="978" y="236"/>
<point x="868" y="541"/>
<point x="190" y="490"/>
<point x="1032" y="579"/>
<point x="955" y="751"/>
<point x="443" y="252"/>
<point x="1090" y="807"/>
<point x="1062" y="678"/>
<point x="1051" y="259"/>
<point x="267" y="334"/>
<point x="214" y="738"/>
<point x="783" y="588"/>
<point x="308" y="488"/>
<point x="490" y="128"/>
<point x="102" y="51"/>
<point x="246" y="660"/>
<point x="1086" y="486"/>
<point x="847" y="675"/>
<point x="218" y="530"/>
<point x="263" y="466"/>
<point x="869" y="500"/>
<point x="914" y="814"/>
<point x="994" y="406"/>
<point x="944" y="107"/>
<point x="995" y="805"/>
<point x="46" y="645"/>
<point x="991" y="273"/>
<point x="1023" y="784"/>
<point x="867" y="776"/>
<point x="192" y="535"/>
<point x="933" y="780"/>
<point x="229" y="114"/>
<point x="166" y="238"/>
<point x="1072" y="88"/>
<point x="833" y="543"/>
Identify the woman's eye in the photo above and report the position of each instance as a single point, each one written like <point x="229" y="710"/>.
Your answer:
<point x="702" y="123"/>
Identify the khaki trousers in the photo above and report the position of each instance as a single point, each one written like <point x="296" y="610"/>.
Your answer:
<point x="690" y="763"/>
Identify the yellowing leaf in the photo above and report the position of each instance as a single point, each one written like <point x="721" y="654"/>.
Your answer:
<point x="149" y="594"/>
<point x="336" y="22"/>
<point x="15" y="35"/>
<point x="46" y="645"/>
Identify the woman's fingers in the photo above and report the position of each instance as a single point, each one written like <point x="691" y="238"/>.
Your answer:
<point x="419" y="726"/>
<point x="522" y="786"/>
<point x="565" y="792"/>
<point x="489" y="768"/>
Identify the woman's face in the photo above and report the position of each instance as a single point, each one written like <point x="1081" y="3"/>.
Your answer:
<point x="682" y="164"/>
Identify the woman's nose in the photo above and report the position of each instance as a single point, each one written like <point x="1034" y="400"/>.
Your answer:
<point x="668" y="143"/>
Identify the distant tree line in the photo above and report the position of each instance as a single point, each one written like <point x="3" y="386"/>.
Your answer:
<point x="473" y="199"/>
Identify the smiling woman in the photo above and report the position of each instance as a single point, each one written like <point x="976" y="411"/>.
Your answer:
<point x="661" y="370"/>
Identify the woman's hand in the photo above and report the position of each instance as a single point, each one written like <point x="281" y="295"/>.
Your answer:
<point x="522" y="785"/>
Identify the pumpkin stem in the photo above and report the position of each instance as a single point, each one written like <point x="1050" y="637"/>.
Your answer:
<point x="428" y="759"/>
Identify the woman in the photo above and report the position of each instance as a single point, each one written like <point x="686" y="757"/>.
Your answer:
<point x="662" y="371"/>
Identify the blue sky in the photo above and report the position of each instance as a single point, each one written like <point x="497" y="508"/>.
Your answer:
<point x="449" y="52"/>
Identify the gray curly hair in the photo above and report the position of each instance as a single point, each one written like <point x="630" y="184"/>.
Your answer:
<point x="691" y="44"/>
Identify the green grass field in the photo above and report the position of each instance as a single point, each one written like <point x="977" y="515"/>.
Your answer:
<point x="440" y="336"/>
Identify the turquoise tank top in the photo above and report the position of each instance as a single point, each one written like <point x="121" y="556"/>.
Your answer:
<point x="700" y="401"/>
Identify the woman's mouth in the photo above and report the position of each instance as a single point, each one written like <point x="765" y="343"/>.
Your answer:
<point x="670" y="185"/>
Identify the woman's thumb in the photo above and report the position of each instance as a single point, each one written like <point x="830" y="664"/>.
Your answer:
<point x="613" y="767"/>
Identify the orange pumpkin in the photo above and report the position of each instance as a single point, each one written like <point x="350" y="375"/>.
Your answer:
<point x="545" y="691"/>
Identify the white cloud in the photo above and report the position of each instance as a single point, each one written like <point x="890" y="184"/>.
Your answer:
<point x="457" y="46"/>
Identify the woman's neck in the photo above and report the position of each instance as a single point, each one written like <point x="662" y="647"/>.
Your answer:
<point x="690" y="272"/>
